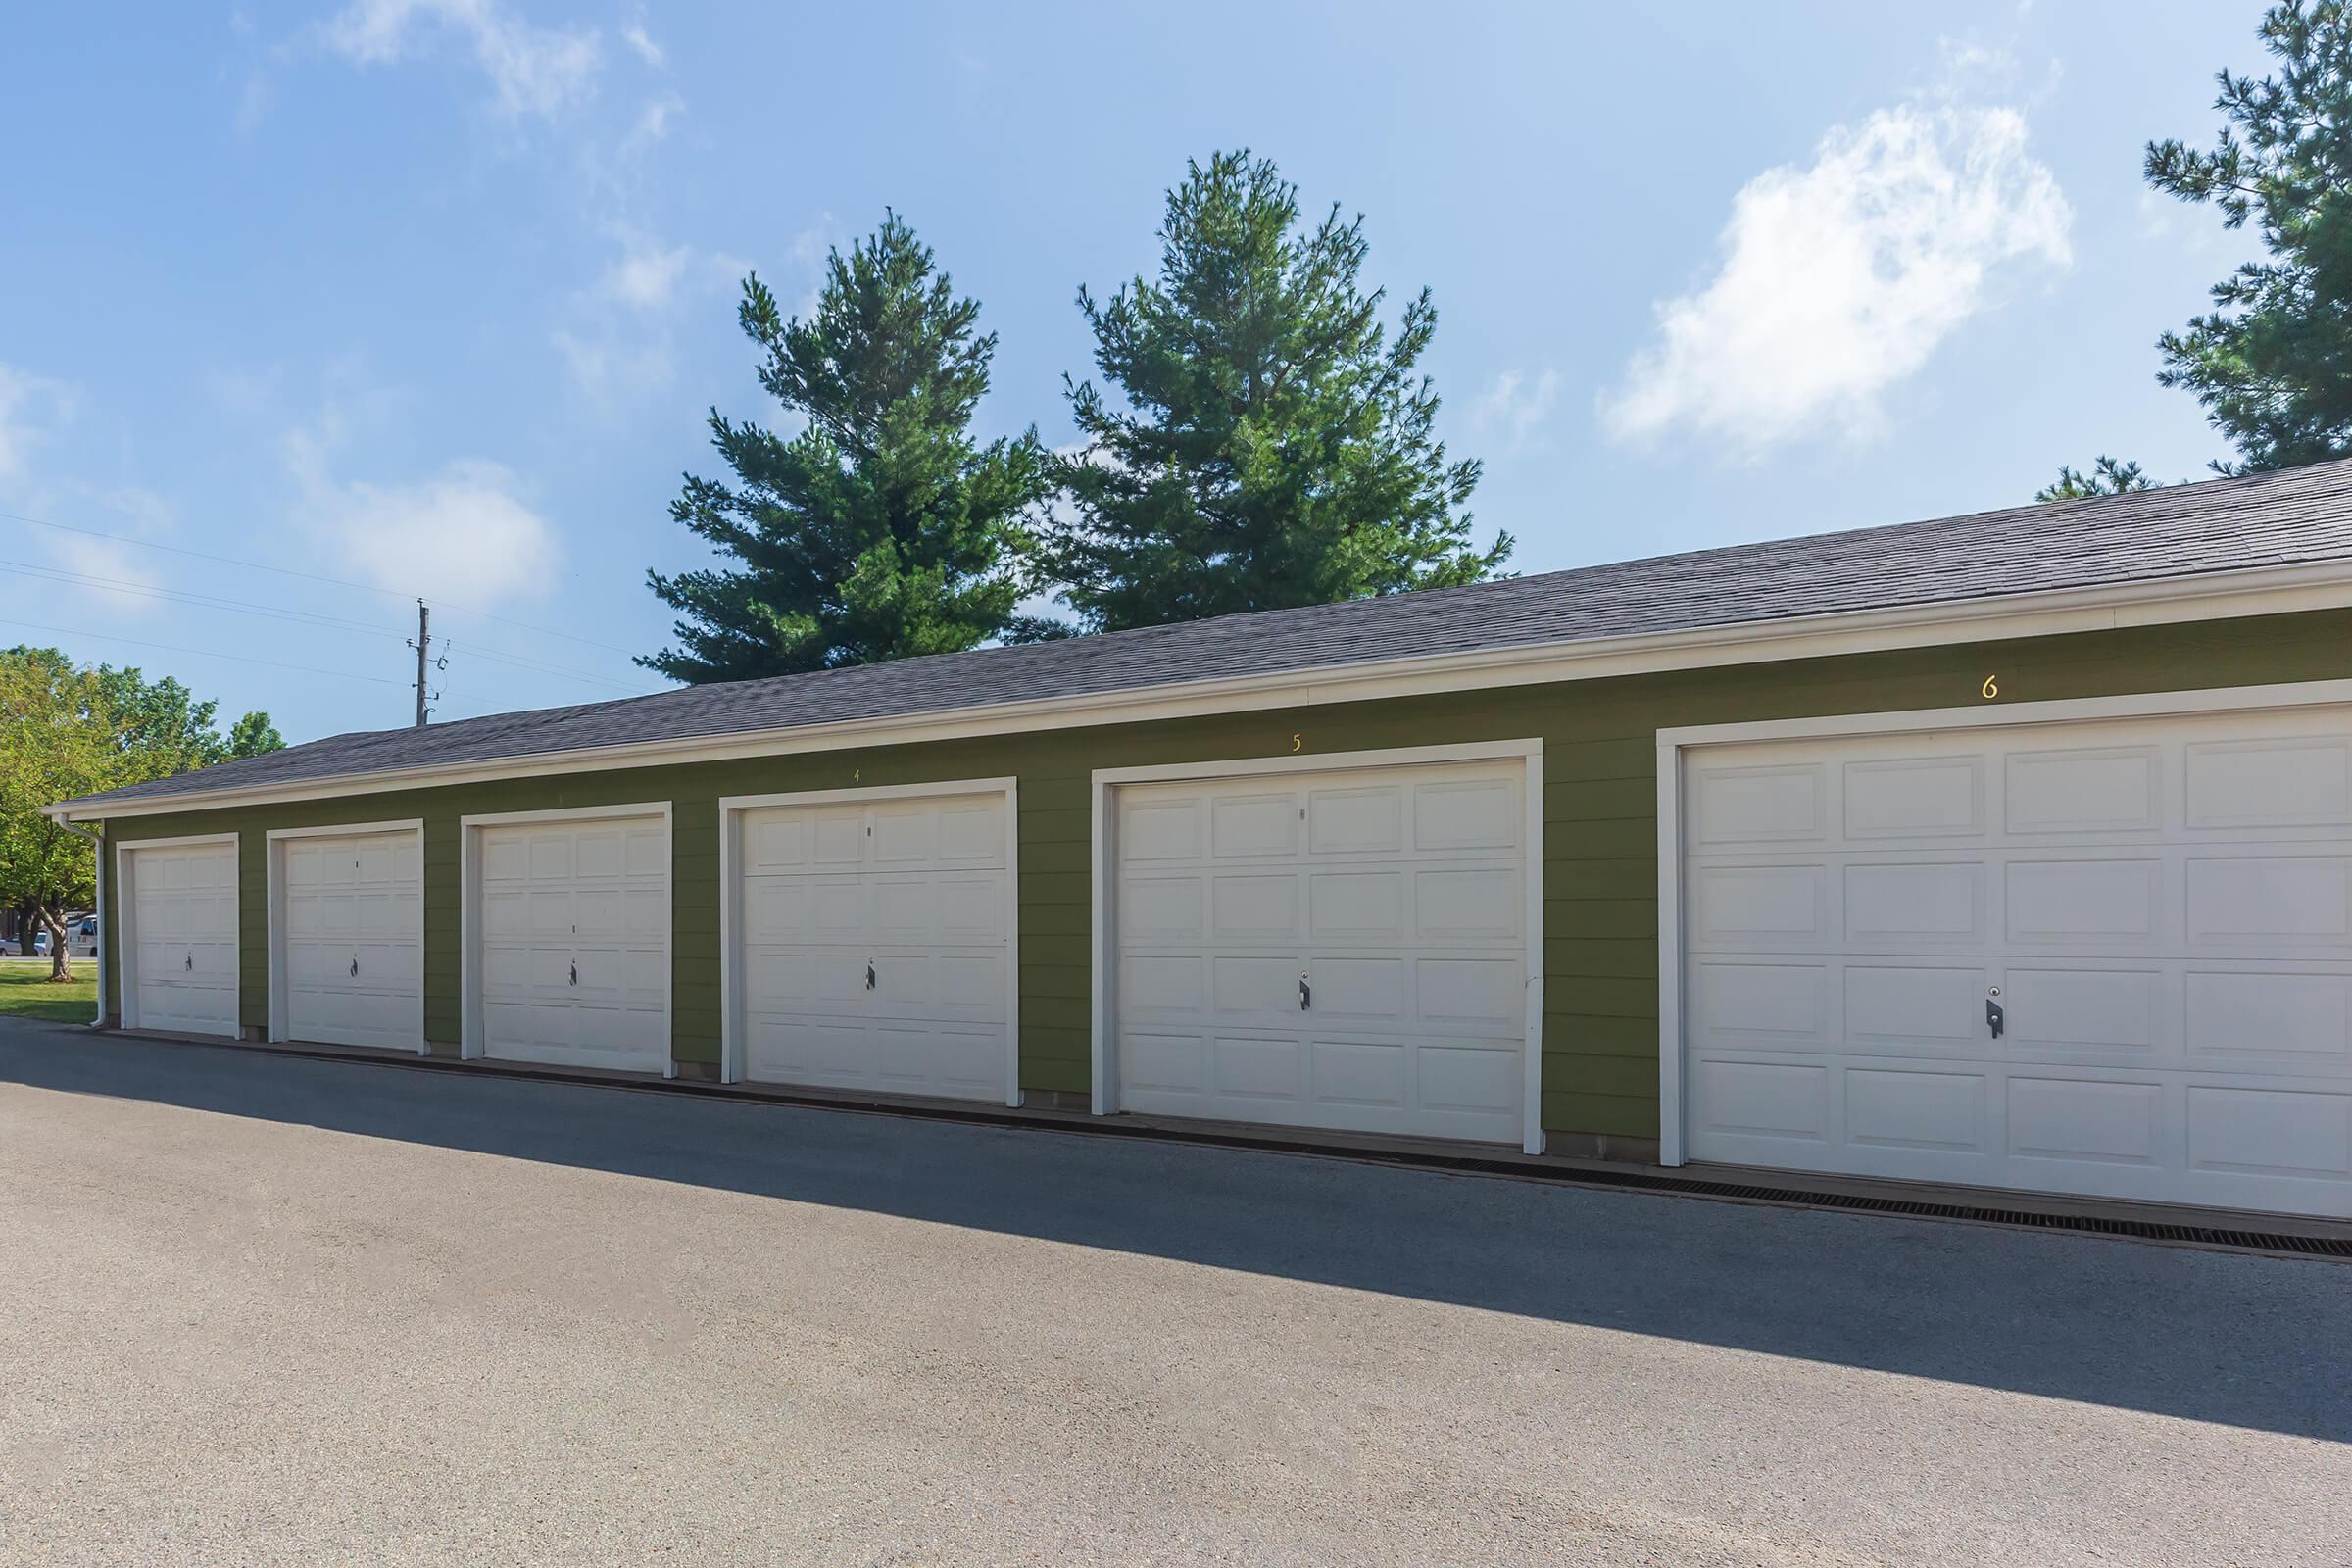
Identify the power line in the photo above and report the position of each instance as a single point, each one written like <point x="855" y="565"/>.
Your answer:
<point x="309" y="576"/>
<point x="181" y="596"/>
<point x="537" y="668"/>
<point x="199" y="653"/>
<point x="304" y="617"/>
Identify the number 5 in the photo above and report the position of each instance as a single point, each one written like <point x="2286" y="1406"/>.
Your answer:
<point x="1297" y="741"/>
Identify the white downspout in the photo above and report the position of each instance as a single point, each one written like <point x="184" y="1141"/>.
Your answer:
<point x="98" y="880"/>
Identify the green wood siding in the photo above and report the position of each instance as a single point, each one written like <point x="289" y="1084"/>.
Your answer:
<point x="1600" y="869"/>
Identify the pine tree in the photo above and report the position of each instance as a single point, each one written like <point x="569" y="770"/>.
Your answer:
<point x="881" y="531"/>
<point x="1274" y="445"/>
<point x="2109" y="476"/>
<point x="2273" y="362"/>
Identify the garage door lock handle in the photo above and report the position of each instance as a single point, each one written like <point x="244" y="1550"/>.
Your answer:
<point x="188" y="963"/>
<point x="575" y="974"/>
<point x="1307" y="994"/>
<point x="1995" y="1019"/>
<point x="354" y="966"/>
<point x="869" y="975"/>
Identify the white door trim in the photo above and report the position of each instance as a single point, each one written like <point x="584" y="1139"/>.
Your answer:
<point x="1104" y="889"/>
<point x="126" y="918"/>
<point x="730" y="900"/>
<point x="276" y="901"/>
<point x="471" y="1047"/>
<point x="1991" y="715"/>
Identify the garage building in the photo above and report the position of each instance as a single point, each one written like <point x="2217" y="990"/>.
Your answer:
<point x="2009" y="851"/>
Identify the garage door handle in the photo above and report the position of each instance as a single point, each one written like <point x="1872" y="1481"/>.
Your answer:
<point x="1306" y="997"/>
<point x="1995" y="1019"/>
<point x="188" y="963"/>
<point x="869" y="976"/>
<point x="575" y="974"/>
<point x="354" y="966"/>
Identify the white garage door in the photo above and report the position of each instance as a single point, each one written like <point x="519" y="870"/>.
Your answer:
<point x="1333" y="950"/>
<point x="185" y="938"/>
<point x="353" y="944"/>
<point x="575" y="943"/>
<point x="2161" y="911"/>
<point x="875" y="942"/>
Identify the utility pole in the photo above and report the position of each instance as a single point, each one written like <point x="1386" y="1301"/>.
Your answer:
<point x="422" y="645"/>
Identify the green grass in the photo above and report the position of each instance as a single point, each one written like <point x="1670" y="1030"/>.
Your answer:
<point x="25" y="991"/>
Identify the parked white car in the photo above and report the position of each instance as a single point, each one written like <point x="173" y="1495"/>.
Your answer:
<point x="82" y="940"/>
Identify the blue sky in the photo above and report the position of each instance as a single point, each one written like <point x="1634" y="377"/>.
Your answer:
<point x="430" y="296"/>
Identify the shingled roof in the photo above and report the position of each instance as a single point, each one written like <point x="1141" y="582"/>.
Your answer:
<point x="2222" y="525"/>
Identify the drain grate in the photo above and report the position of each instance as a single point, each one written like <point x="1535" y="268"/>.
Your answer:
<point x="2020" y="1218"/>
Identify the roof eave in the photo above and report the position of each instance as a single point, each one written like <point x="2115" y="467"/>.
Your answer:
<point x="2251" y="591"/>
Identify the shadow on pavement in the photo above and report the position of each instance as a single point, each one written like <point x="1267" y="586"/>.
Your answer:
<point x="2247" y="1342"/>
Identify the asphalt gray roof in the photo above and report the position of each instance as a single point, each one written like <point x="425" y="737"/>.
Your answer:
<point x="2220" y="525"/>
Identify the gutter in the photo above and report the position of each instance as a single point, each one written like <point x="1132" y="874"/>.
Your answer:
<point x="2208" y="596"/>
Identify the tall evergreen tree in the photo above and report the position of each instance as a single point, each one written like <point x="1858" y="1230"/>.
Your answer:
<point x="2273" y="361"/>
<point x="2109" y="476"/>
<point x="1273" y="444"/>
<point x="881" y="531"/>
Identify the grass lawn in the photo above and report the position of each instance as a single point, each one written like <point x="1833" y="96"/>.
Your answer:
<point x="25" y="991"/>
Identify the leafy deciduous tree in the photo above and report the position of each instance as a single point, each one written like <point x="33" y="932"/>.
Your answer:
<point x="1275" y="445"/>
<point x="253" y="735"/>
<point x="66" y="732"/>
<point x="881" y="531"/>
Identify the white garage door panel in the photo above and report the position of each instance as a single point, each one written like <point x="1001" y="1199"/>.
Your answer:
<point x="185" y="938"/>
<point x="353" y="944"/>
<point x="1397" y="896"/>
<point x="2162" y="907"/>
<point x="574" y="947"/>
<point x="914" y="890"/>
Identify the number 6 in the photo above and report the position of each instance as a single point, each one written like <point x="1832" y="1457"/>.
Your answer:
<point x="1992" y="687"/>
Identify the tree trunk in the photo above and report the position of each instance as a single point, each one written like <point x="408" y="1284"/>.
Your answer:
<point x="60" y="963"/>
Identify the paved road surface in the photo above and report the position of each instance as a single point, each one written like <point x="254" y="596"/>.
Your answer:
<point x="268" y="1310"/>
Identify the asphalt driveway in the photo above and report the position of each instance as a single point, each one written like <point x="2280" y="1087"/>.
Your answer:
<point x="256" y="1309"/>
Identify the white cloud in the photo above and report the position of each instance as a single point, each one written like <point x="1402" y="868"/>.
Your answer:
<point x="1841" y="279"/>
<point x="652" y="123"/>
<point x="128" y="578"/>
<point x="1515" y="406"/>
<point x="641" y="44"/>
<point x="619" y="341"/>
<point x="253" y="101"/>
<point x="647" y="275"/>
<point x="536" y="70"/>
<point x="25" y="399"/>
<point x="34" y="411"/>
<point x="466" y="532"/>
<point x="610" y="369"/>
